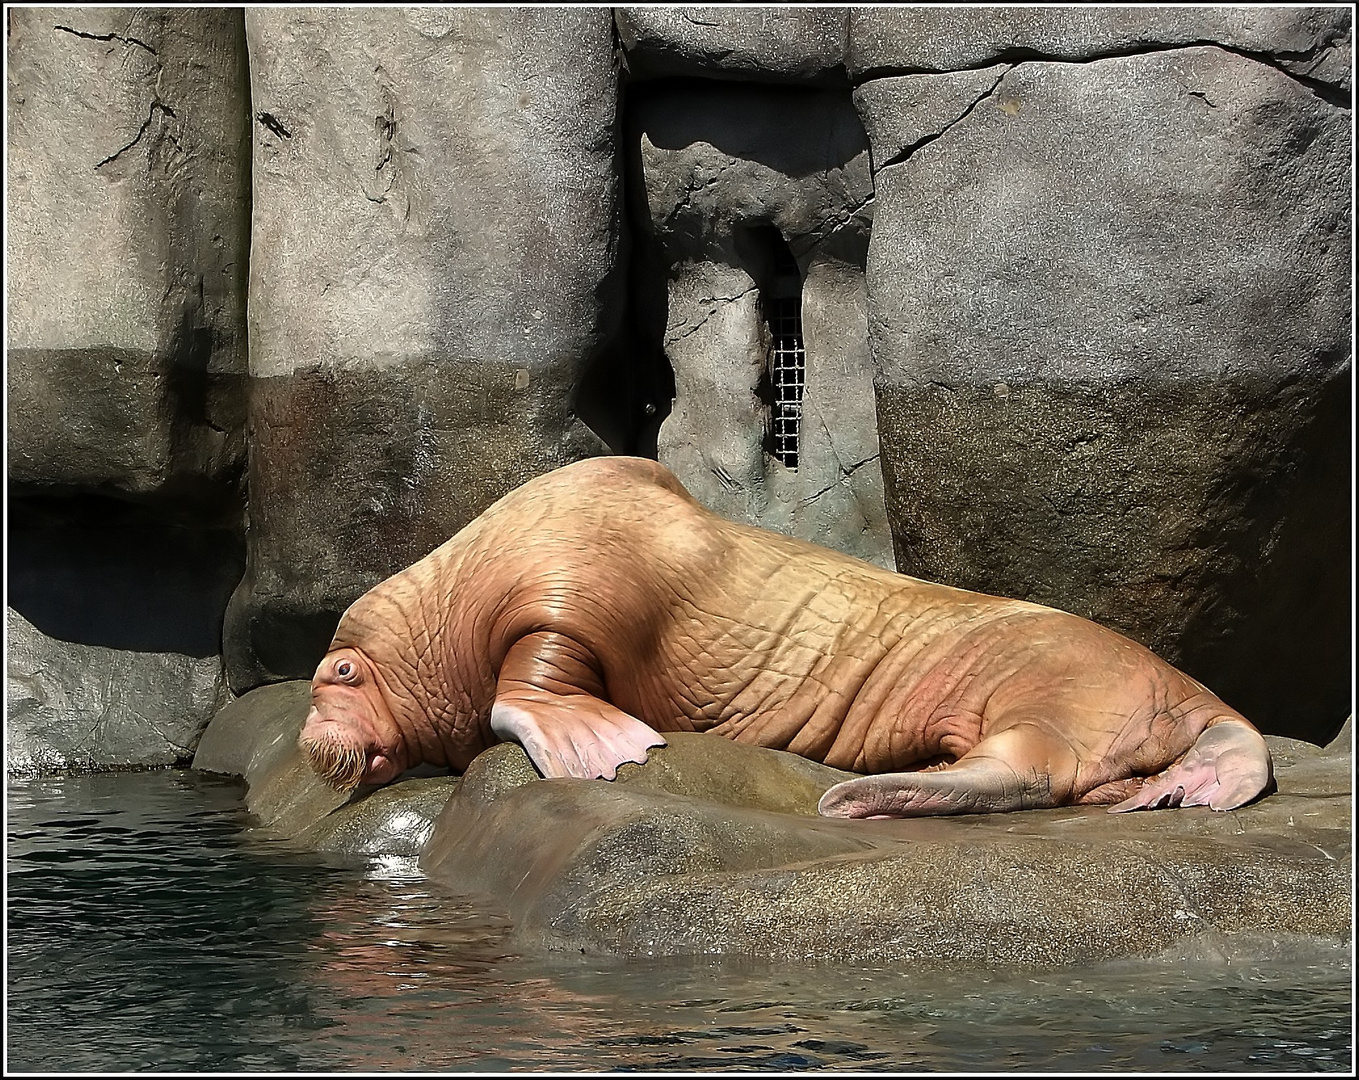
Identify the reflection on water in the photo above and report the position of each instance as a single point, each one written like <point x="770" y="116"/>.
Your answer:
<point x="147" y="930"/>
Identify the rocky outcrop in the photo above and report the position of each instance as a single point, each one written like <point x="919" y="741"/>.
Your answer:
<point x="127" y="239"/>
<point x="85" y="707"/>
<point x="1109" y="313"/>
<point x="752" y="256"/>
<point x="435" y="271"/>
<point x="714" y="847"/>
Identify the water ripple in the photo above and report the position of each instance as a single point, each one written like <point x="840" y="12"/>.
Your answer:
<point x="149" y="931"/>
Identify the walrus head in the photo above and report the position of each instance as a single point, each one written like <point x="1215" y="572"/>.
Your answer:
<point x="350" y="737"/>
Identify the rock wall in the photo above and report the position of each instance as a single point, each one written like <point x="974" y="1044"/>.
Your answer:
<point x="127" y="246"/>
<point x="1109" y="305"/>
<point x="436" y="269"/>
<point x="296" y="293"/>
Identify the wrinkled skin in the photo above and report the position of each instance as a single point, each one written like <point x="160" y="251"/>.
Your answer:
<point x="600" y="605"/>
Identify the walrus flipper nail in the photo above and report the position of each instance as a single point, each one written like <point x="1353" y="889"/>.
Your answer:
<point x="1227" y="767"/>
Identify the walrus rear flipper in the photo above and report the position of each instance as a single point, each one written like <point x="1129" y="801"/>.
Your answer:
<point x="1021" y="768"/>
<point x="546" y="702"/>
<point x="1228" y="766"/>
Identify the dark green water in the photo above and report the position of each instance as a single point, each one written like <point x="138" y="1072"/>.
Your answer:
<point x="148" y="931"/>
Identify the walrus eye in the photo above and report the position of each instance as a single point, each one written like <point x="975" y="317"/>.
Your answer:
<point x="346" y="670"/>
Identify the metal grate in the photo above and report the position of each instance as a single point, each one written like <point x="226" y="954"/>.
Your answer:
<point x="788" y="373"/>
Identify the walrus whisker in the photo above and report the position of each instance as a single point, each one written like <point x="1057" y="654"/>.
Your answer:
<point x="341" y="766"/>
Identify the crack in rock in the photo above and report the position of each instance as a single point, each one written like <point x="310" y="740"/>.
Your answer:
<point x="107" y="37"/>
<point x="836" y="221"/>
<point x="905" y="154"/>
<point x="716" y="300"/>
<point x="156" y="106"/>
<point x="1328" y="92"/>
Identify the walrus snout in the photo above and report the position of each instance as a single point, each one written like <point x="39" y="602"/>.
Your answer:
<point x="345" y="752"/>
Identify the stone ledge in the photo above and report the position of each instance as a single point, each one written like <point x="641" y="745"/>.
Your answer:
<point x="714" y="847"/>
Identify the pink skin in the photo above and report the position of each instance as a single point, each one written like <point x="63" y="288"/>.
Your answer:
<point x="600" y="605"/>
<point x="347" y="705"/>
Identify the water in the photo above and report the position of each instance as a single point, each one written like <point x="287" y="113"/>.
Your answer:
<point x="149" y="931"/>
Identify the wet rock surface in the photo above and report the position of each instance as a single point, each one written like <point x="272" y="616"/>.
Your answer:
<point x="715" y="847"/>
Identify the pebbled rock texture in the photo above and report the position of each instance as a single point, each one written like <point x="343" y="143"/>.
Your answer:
<point x="1109" y="307"/>
<point x="85" y="707"/>
<point x="714" y="847"/>
<point x="435" y="269"/>
<point x="728" y="194"/>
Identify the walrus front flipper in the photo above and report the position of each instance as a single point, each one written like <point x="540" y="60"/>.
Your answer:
<point x="1228" y="766"/>
<point x="547" y="701"/>
<point x="1021" y="768"/>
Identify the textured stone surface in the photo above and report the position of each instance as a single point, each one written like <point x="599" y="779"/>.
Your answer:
<point x="656" y="873"/>
<point x="85" y="707"/>
<point x="795" y="44"/>
<point x="714" y="847"/>
<point x="724" y="187"/>
<point x="1109" y="312"/>
<point x="1311" y="43"/>
<point x="126" y="244"/>
<point x="434" y="272"/>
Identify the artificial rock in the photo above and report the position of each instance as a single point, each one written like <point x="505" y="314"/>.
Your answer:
<point x="714" y="847"/>
<point x="70" y="706"/>
<point x="127" y="238"/>
<point x="793" y="44"/>
<point x="435" y="271"/>
<point x="1109" y="314"/>
<point x="1313" y="44"/>
<point x="738" y="220"/>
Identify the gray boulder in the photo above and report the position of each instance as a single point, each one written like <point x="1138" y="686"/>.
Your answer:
<point x="127" y="238"/>
<point x="715" y="847"/>
<point x="790" y="44"/>
<point x="747" y="233"/>
<point x="1109" y="312"/>
<point x="635" y="869"/>
<point x="435" y="272"/>
<point x="89" y="708"/>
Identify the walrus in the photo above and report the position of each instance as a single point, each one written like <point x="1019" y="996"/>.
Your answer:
<point x="600" y="605"/>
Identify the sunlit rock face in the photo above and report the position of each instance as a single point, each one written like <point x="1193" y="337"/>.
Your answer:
<point x="1109" y="308"/>
<point x="435" y="269"/>
<point x="127" y="239"/>
<point x="715" y="847"/>
<point x="294" y="294"/>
